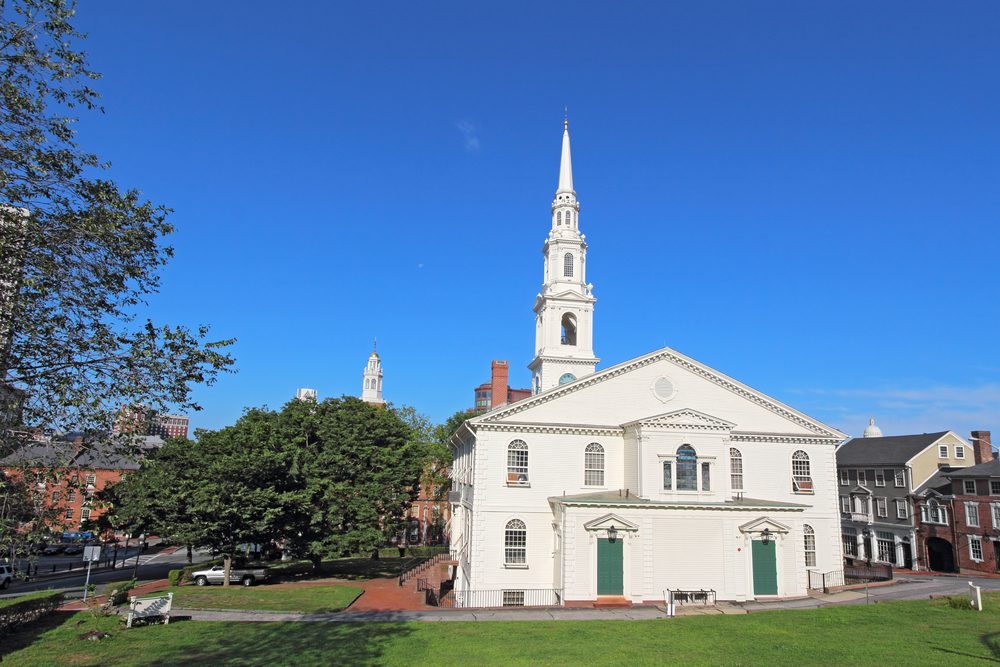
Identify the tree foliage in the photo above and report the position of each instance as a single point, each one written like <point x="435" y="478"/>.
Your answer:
<point x="321" y="479"/>
<point x="78" y="254"/>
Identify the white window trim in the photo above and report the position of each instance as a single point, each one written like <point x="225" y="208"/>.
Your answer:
<point x="901" y="509"/>
<point x="862" y="477"/>
<point x="995" y="514"/>
<point x="994" y="487"/>
<point x="899" y="478"/>
<point x="972" y="515"/>
<point x="844" y="478"/>
<point x="882" y="508"/>
<point x="942" y="448"/>
<point x="965" y="487"/>
<point x="877" y="476"/>
<point x="976" y="538"/>
<point x="959" y="452"/>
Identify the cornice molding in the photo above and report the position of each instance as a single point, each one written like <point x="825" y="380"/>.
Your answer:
<point x="782" y="438"/>
<point x="552" y="429"/>
<point x="686" y="419"/>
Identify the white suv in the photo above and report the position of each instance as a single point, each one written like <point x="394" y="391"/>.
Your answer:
<point x="6" y="576"/>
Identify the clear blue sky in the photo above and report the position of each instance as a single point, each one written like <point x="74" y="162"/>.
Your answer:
<point x="803" y="195"/>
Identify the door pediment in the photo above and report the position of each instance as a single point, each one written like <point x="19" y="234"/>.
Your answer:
<point x="609" y="520"/>
<point x="758" y="526"/>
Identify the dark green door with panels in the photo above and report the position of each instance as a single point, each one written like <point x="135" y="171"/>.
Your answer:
<point x="609" y="567"/>
<point x="765" y="568"/>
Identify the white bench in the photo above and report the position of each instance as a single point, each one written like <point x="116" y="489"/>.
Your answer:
<point x="150" y="608"/>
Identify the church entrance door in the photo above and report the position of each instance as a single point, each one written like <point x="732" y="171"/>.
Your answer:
<point x="765" y="568"/>
<point x="609" y="567"/>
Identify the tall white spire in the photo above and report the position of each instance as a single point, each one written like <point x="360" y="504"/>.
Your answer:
<point x="566" y="163"/>
<point x="564" y="308"/>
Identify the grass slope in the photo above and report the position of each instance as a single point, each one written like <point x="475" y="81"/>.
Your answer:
<point x="309" y="599"/>
<point x="903" y="633"/>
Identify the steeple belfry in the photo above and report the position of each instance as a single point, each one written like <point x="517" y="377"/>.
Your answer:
<point x="371" y="391"/>
<point x="564" y="309"/>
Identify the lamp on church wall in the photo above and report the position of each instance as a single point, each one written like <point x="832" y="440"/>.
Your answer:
<point x="612" y="533"/>
<point x="765" y="536"/>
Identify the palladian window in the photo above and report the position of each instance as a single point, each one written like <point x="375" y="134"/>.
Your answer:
<point x="687" y="468"/>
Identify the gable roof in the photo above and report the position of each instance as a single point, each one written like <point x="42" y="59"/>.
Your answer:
<point x="988" y="469"/>
<point x="99" y="456"/>
<point x="938" y="483"/>
<point x="675" y="357"/>
<point x="890" y="450"/>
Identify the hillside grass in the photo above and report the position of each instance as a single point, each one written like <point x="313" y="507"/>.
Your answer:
<point x="900" y="633"/>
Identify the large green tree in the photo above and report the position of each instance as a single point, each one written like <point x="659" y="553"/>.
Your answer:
<point x="79" y="254"/>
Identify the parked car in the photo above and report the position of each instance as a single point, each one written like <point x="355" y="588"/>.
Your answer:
<point x="73" y="549"/>
<point x="53" y="550"/>
<point x="217" y="574"/>
<point x="6" y="576"/>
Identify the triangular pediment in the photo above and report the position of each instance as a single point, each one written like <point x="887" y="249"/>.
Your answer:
<point x="758" y="525"/>
<point x="861" y="489"/>
<point x="609" y="520"/>
<point x="684" y="419"/>
<point x="628" y="392"/>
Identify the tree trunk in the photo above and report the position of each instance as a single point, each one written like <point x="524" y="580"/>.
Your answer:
<point x="189" y="554"/>
<point x="228" y="565"/>
<point x="375" y="555"/>
<point x="317" y="562"/>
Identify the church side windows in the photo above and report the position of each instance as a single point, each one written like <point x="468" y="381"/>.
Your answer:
<point x="736" y="469"/>
<point x="558" y="218"/>
<point x="593" y="465"/>
<point x="568" y="265"/>
<point x="668" y="476"/>
<point x="801" y="476"/>
<point x="569" y="217"/>
<point x="809" y="545"/>
<point x="706" y="477"/>
<point x="568" y="336"/>
<point x="517" y="463"/>
<point x="515" y="543"/>
<point x="687" y="468"/>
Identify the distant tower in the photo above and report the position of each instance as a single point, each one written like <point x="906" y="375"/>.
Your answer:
<point x="372" y="391"/>
<point x="872" y="431"/>
<point x="305" y="394"/>
<point x="564" y="309"/>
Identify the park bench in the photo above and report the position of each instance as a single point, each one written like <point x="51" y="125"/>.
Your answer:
<point x="150" y="608"/>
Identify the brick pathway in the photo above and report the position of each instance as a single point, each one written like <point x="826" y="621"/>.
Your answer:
<point x="387" y="595"/>
<point x="78" y="605"/>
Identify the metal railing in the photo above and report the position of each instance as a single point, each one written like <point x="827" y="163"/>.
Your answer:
<point x="860" y="573"/>
<point x="511" y="597"/>
<point x="824" y="581"/>
<point x="411" y="568"/>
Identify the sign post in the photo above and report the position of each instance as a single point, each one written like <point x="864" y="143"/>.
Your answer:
<point x="90" y="554"/>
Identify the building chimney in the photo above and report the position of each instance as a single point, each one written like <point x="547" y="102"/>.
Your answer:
<point x="498" y="383"/>
<point x="982" y="448"/>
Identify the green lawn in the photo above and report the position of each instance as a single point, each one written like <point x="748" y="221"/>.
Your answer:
<point x="6" y="602"/>
<point x="903" y="633"/>
<point x="309" y="599"/>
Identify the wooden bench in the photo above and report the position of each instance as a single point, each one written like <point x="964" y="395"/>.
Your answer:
<point x="150" y="608"/>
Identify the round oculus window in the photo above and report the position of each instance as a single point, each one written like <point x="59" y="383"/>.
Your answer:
<point x="566" y="377"/>
<point x="664" y="388"/>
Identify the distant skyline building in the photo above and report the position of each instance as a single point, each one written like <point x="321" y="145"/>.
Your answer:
<point x="140" y="420"/>
<point x="305" y="394"/>
<point x="497" y="391"/>
<point x="371" y="391"/>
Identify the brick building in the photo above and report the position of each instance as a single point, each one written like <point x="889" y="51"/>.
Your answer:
<point x="68" y="475"/>
<point x="958" y="514"/>
<point x="497" y="391"/>
<point x="429" y="515"/>
<point x="139" y="420"/>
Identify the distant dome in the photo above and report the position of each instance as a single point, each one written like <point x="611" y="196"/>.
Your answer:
<point x="872" y="431"/>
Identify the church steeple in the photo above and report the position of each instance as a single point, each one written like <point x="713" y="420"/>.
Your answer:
<point x="564" y="309"/>
<point x="371" y="391"/>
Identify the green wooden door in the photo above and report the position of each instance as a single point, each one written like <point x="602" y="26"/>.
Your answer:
<point x="765" y="568"/>
<point x="609" y="567"/>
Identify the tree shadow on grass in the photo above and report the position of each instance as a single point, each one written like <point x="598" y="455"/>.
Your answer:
<point x="26" y="635"/>
<point x="343" y="568"/>
<point x="304" y="643"/>
<point x="992" y="642"/>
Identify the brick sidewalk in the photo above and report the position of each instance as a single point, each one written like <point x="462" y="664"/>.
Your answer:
<point x="80" y="605"/>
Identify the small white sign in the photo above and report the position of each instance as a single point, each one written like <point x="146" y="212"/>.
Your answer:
<point x="91" y="554"/>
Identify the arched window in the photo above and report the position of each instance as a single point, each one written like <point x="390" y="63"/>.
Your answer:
<point x="687" y="468"/>
<point x="735" y="469"/>
<point x="568" y="265"/>
<point x="801" y="477"/>
<point x="809" y="544"/>
<point x="517" y="463"/>
<point x="568" y="329"/>
<point x="569" y="217"/>
<point x="558" y="218"/>
<point x="593" y="465"/>
<point x="515" y="543"/>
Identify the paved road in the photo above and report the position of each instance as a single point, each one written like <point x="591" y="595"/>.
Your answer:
<point x="73" y="585"/>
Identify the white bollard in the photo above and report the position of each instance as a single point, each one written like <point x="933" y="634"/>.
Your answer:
<point x="976" y="596"/>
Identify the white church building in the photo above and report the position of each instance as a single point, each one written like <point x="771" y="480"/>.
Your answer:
<point x="656" y="474"/>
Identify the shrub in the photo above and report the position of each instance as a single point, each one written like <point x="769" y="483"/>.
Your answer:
<point x="28" y="609"/>
<point x="959" y="602"/>
<point x="118" y="591"/>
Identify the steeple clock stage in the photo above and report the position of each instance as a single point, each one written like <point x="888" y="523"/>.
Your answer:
<point x="564" y="309"/>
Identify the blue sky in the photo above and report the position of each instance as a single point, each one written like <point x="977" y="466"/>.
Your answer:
<point x="804" y="196"/>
